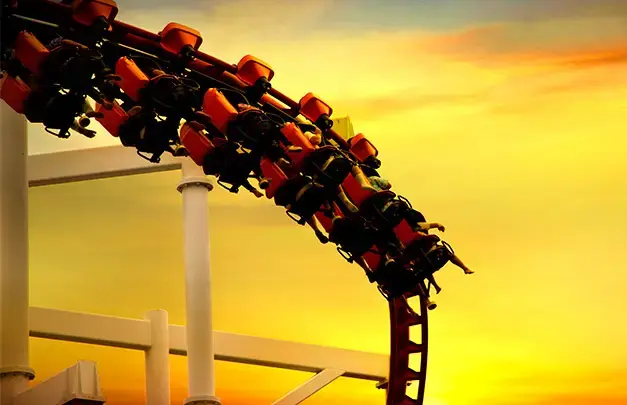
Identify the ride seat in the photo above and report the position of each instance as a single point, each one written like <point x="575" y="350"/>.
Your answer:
<point x="30" y="52"/>
<point x="197" y="144"/>
<point x="364" y="150"/>
<point x="325" y="220"/>
<point x="132" y="78"/>
<point x="111" y="119"/>
<point x="297" y="138"/>
<point x="14" y="92"/>
<point x="277" y="177"/>
<point x="219" y="109"/>
<point x="302" y="197"/>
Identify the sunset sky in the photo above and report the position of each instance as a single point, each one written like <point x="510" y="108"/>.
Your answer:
<point x="505" y="120"/>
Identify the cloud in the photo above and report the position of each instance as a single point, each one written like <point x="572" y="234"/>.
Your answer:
<point x="581" y="41"/>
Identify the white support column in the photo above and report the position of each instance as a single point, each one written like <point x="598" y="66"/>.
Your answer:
<point x="15" y="371"/>
<point x="199" y="329"/>
<point x="310" y="387"/>
<point x="158" y="359"/>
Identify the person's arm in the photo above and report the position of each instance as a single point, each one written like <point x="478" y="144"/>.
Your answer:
<point x="426" y="226"/>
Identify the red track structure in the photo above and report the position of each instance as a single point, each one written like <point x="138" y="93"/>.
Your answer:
<point x="57" y="55"/>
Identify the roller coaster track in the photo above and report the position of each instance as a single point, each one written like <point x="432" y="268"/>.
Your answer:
<point x="60" y="18"/>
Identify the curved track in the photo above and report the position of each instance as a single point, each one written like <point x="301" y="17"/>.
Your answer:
<point x="48" y="18"/>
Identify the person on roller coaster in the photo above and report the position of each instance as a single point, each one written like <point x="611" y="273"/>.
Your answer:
<point x="59" y="79"/>
<point x="150" y="133"/>
<point x="420" y="224"/>
<point x="227" y="160"/>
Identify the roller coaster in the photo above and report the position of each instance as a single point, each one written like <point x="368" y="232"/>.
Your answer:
<point x="67" y="63"/>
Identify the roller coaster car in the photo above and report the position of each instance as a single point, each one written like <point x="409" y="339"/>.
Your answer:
<point x="215" y="163"/>
<point x="354" y="236"/>
<point x="383" y="209"/>
<point x="408" y="236"/>
<point x="48" y="105"/>
<point x="171" y="95"/>
<point x="364" y="150"/>
<point x="328" y="165"/>
<point x="422" y="274"/>
<point x="393" y="279"/>
<point x="300" y="195"/>
<point x="257" y="132"/>
<point x="167" y="94"/>
<point x="67" y="63"/>
<point x="150" y="136"/>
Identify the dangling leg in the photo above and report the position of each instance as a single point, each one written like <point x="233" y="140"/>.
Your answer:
<point x="264" y="182"/>
<point x="361" y="178"/>
<point x="343" y="198"/>
<point x="364" y="265"/>
<point x="434" y="283"/>
<point x="317" y="228"/>
<point x="246" y="184"/>
<point x="457" y="262"/>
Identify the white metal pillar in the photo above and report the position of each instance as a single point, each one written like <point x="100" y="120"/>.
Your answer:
<point x="199" y="328"/>
<point x="158" y="359"/>
<point x="15" y="371"/>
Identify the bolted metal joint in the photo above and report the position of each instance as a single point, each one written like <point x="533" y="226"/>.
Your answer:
<point x="202" y="400"/>
<point x="194" y="182"/>
<point x="17" y="371"/>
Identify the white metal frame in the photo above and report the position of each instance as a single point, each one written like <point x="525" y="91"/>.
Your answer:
<point x="153" y="335"/>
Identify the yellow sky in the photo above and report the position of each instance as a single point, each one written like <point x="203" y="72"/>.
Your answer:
<point x="521" y="154"/>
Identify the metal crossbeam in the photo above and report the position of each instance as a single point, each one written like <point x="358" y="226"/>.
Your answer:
<point x="92" y="164"/>
<point x="135" y="334"/>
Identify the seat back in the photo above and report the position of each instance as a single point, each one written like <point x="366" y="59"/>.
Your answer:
<point x="354" y="190"/>
<point x="273" y="172"/>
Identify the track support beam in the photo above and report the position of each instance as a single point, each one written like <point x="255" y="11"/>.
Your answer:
<point x="199" y="328"/>
<point x="158" y="359"/>
<point x="310" y="387"/>
<point x="15" y="371"/>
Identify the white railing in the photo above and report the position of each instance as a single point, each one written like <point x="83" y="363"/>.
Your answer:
<point x="139" y="334"/>
<point x="158" y="340"/>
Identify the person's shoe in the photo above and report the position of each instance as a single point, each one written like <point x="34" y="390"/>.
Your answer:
<point x="322" y="237"/>
<point x="294" y="149"/>
<point x="468" y="271"/>
<point x="258" y="193"/>
<point x="431" y="305"/>
<point x="264" y="183"/>
<point x="180" y="150"/>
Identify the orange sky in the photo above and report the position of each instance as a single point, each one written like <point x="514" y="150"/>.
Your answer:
<point x="507" y="126"/>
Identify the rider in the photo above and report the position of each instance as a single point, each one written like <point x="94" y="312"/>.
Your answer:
<point x="425" y="227"/>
